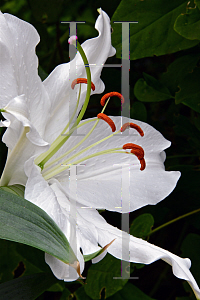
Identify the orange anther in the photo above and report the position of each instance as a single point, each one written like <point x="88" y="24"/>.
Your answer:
<point x="81" y="80"/>
<point x="132" y="125"/>
<point x="138" y="151"/>
<point x="106" y="96"/>
<point x="108" y="120"/>
<point x="143" y="164"/>
<point x="129" y="146"/>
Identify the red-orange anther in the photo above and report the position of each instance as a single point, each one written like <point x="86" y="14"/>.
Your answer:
<point x="108" y="120"/>
<point x="106" y="96"/>
<point x="129" y="146"/>
<point x="81" y="80"/>
<point x="138" y="151"/>
<point x="132" y="125"/>
<point x="143" y="164"/>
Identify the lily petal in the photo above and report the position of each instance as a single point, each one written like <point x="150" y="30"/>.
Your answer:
<point x="20" y="83"/>
<point x="41" y="194"/>
<point x="104" y="172"/>
<point x="18" y="64"/>
<point x="58" y="83"/>
<point x="141" y="251"/>
<point x="89" y="229"/>
<point x="22" y="140"/>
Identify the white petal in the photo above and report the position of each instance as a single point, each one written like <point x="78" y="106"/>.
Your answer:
<point x="140" y="251"/>
<point x="61" y="270"/>
<point x="22" y="140"/>
<point x="18" y="64"/>
<point x="89" y="229"/>
<point x="58" y="83"/>
<point x="100" y="179"/>
<point x="41" y="194"/>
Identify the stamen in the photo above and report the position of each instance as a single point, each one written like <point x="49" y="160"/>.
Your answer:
<point x="81" y="80"/>
<point x="138" y="151"/>
<point x="108" y="120"/>
<point x="57" y="144"/>
<point x="106" y="96"/>
<point x="143" y="164"/>
<point x="132" y="125"/>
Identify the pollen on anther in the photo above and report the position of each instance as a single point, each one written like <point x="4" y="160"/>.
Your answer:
<point x="137" y="151"/>
<point x="132" y="125"/>
<point x="143" y="164"/>
<point x="108" y="120"/>
<point x="81" y="80"/>
<point x="111" y="94"/>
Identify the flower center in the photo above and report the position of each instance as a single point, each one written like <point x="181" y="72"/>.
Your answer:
<point x="52" y="168"/>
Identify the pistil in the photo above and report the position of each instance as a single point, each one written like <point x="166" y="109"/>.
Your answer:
<point x="59" y="142"/>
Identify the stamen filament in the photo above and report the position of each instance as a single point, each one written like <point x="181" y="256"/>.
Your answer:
<point x="82" y="151"/>
<point x="76" y="107"/>
<point x="44" y="157"/>
<point x="63" y="167"/>
<point x="66" y="153"/>
<point x="77" y="145"/>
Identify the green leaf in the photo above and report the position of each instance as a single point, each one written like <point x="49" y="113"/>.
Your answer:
<point x="188" y="24"/>
<point x="31" y="256"/>
<point x="23" y="222"/>
<point x="81" y="294"/>
<point x="93" y="255"/>
<point x="142" y="225"/>
<point x="27" y="287"/>
<point x="65" y="295"/>
<point x="18" y="259"/>
<point x="183" y="127"/>
<point x="14" y="189"/>
<point x="138" y="111"/>
<point x="154" y="34"/>
<point x="177" y="70"/>
<point x="189" y="93"/>
<point x="97" y="253"/>
<point x="130" y="292"/>
<point x="100" y="276"/>
<point x="151" y="90"/>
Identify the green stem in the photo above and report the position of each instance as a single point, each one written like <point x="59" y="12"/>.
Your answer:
<point x="175" y="220"/>
<point x="88" y="73"/>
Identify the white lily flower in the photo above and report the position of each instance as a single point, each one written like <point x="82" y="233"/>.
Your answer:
<point x="35" y="111"/>
<point x="91" y="230"/>
<point x="37" y="117"/>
